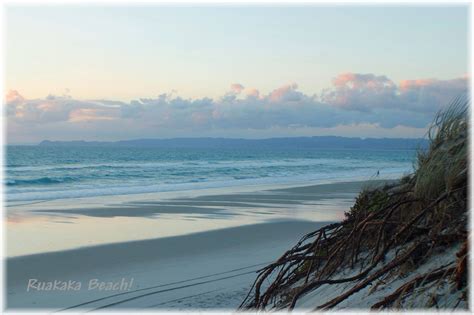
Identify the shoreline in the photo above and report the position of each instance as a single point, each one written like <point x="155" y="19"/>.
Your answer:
<point x="241" y="187"/>
<point x="62" y="225"/>
<point x="105" y="200"/>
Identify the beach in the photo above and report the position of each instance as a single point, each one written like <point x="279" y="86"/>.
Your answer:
<point x="240" y="157"/>
<point x="220" y="265"/>
<point x="188" y="250"/>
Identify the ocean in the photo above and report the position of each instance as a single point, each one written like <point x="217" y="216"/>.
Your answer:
<point x="35" y="173"/>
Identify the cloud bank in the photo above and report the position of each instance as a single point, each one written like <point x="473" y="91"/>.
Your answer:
<point x="352" y="100"/>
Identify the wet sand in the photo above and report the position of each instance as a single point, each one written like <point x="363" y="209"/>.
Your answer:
<point x="194" y="251"/>
<point x="174" y="268"/>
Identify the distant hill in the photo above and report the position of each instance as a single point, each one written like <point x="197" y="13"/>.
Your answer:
<point x="323" y="142"/>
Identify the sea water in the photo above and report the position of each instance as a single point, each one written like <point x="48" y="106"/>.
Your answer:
<point x="56" y="172"/>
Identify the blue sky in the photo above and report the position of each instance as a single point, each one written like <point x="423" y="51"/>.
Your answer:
<point x="123" y="54"/>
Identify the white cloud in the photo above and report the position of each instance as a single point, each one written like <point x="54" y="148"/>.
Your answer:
<point x="353" y="100"/>
<point x="369" y="92"/>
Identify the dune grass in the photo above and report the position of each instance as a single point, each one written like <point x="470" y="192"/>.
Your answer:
<point x="414" y="218"/>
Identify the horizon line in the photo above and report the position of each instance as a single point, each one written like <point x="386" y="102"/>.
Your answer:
<point x="225" y="138"/>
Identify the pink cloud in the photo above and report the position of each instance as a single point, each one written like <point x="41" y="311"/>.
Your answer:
<point x="237" y="88"/>
<point x="364" y="81"/>
<point x="253" y="92"/>
<point x="366" y="92"/>
<point x="405" y="85"/>
<point x="286" y="92"/>
<point x="342" y="79"/>
<point x="361" y="92"/>
<point x="352" y="99"/>
<point x="434" y="84"/>
<point x="88" y="114"/>
<point x="13" y="96"/>
<point x="47" y="106"/>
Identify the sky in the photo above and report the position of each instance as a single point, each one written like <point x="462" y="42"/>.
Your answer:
<point x="125" y="72"/>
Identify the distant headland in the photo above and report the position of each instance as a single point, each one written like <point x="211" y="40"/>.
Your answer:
<point x="323" y="142"/>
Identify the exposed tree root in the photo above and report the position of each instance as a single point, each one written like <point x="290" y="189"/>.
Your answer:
<point x="409" y="286"/>
<point x="409" y="219"/>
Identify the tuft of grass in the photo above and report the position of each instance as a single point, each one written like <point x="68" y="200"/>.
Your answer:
<point x="420" y="214"/>
<point x="444" y="165"/>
